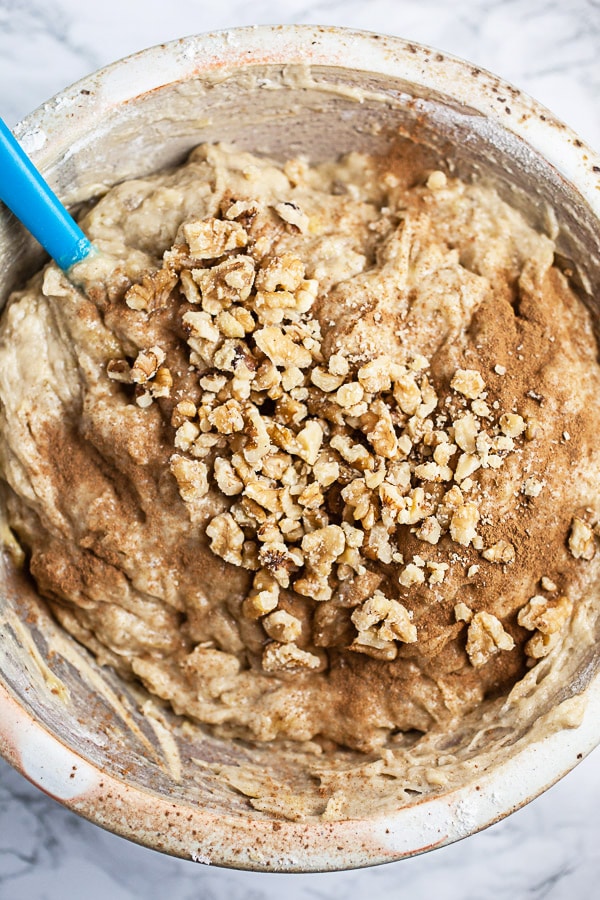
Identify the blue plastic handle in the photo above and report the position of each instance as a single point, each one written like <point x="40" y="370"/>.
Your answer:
<point x="31" y="199"/>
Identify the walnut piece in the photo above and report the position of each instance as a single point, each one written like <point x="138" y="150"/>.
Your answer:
<point x="192" y="480"/>
<point x="463" y="613"/>
<point x="581" y="540"/>
<point x="468" y="382"/>
<point x="464" y="523"/>
<point x="278" y="657"/>
<point x="380" y="622"/>
<point x="153" y="292"/>
<point x="547" y="618"/>
<point x="501" y="552"/>
<point x="147" y="365"/>
<point x="282" y="626"/>
<point x="211" y="238"/>
<point x="293" y="215"/>
<point x="485" y="637"/>
<point x="226" y="538"/>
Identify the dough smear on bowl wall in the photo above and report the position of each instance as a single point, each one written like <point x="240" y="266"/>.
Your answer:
<point x="309" y="464"/>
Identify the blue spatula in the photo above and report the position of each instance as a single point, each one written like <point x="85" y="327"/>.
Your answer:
<point x="31" y="199"/>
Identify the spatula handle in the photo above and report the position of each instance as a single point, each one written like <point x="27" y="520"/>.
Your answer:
<point x="31" y="199"/>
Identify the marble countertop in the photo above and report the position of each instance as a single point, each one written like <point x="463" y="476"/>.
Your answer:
<point x="550" y="849"/>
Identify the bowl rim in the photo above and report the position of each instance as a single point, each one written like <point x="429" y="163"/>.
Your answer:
<point x="236" y="841"/>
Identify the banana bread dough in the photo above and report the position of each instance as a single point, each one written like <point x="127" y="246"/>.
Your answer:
<point x="313" y="452"/>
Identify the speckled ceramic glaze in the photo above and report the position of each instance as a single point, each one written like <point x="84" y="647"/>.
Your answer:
<point x="74" y="729"/>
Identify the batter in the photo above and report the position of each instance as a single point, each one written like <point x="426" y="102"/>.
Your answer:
<point x="313" y="451"/>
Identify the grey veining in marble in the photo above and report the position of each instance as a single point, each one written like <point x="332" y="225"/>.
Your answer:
<point x="547" y="850"/>
<point x="546" y="47"/>
<point x="550" y="849"/>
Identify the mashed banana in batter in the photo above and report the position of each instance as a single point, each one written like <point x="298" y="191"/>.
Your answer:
<point x="313" y="451"/>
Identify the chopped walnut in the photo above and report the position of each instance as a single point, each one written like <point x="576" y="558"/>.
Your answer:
<point x="397" y="625"/>
<point x="370" y="643"/>
<point x="267" y="497"/>
<point x="481" y="409"/>
<point x="147" y="365"/>
<point x="465" y="432"/>
<point x="275" y="556"/>
<point x="382" y="435"/>
<point x="282" y="626"/>
<point x="354" y="453"/>
<point x="192" y="480"/>
<point x="326" y="471"/>
<point x="468" y="382"/>
<point x="326" y="381"/>
<point x="349" y="394"/>
<point x="288" y="657"/>
<point x="377" y="544"/>
<point x="119" y="370"/>
<point x="143" y="398"/>
<point x="161" y="383"/>
<point x="376" y="375"/>
<point x="338" y="365"/>
<point x="371" y="612"/>
<point x="512" y="425"/>
<point x="437" y="181"/>
<point x="224" y="284"/>
<point x="281" y="349"/>
<point x="311" y="497"/>
<point x="430" y="530"/>
<point x="411" y="574"/>
<point x="500" y="552"/>
<point x="485" y="637"/>
<point x="547" y="618"/>
<point x="189" y="287"/>
<point x="231" y="326"/>
<point x="199" y="324"/>
<point x="226" y="538"/>
<point x="532" y="486"/>
<point x="258" y="443"/>
<point x="226" y="478"/>
<point x="227" y="418"/>
<point x="464" y="523"/>
<point x="379" y="622"/>
<point x="285" y="273"/>
<point x="360" y="502"/>
<point x="468" y="463"/>
<point x="153" y="293"/>
<point x="581" y="540"/>
<point x="211" y="238"/>
<point x="462" y="613"/>
<point x="444" y="452"/>
<point x="407" y="393"/>
<point x="437" y="572"/>
<point x="264" y="596"/>
<point x="322" y="547"/>
<point x="540" y="644"/>
<point x="293" y="215"/>
<point x="432" y="471"/>
<point x="186" y="434"/>
<point x="309" y="441"/>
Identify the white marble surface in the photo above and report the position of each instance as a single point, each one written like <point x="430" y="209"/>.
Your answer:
<point x="550" y="849"/>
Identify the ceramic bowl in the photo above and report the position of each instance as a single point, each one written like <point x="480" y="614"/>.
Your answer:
<point x="99" y="745"/>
